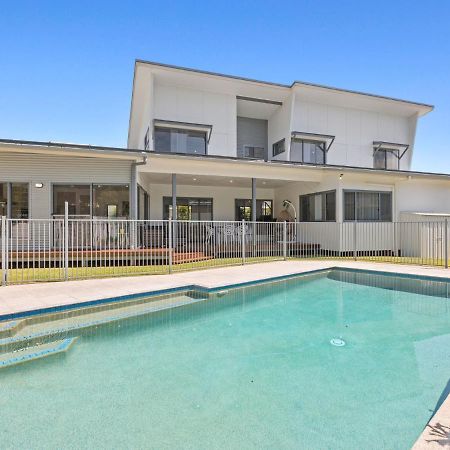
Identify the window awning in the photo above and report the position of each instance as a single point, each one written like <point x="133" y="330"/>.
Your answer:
<point x="326" y="138"/>
<point x="184" y="126"/>
<point x="397" y="149"/>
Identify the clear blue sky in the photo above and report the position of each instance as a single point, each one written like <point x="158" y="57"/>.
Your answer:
<point x="66" y="68"/>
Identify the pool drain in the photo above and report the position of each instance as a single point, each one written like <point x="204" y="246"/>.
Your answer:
<point x="337" y="342"/>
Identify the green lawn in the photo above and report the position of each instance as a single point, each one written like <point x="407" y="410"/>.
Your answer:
<point x="18" y="276"/>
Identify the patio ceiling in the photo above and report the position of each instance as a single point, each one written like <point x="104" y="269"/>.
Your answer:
<point x="207" y="180"/>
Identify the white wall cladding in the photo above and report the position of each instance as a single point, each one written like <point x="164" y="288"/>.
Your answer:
<point x="33" y="168"/>
<point x="355" y="131"/>
<point x="279" y="128"/>
<point x="182" y="104"/>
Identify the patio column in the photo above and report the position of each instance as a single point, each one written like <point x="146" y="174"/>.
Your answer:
<point x="253" y="199"/>
<point x="174" y="196"/>
<point x="174" y="210"/>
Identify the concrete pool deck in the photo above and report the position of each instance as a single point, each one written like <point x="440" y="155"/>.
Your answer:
<point x="28" y="297"/>
<point x="21" y="298"/>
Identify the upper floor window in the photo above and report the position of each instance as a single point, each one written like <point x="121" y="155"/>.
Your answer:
<point x="387" y="155"/>
<point x="147" y="139"/>
<point x="308" y="151"/>
<point x="254" y="152"/>
<point x="278" y="147"/>
<point x="14" y="200"/>
<point x="176" y="140"/>
<point x="370" y="206"/>
<point x="386" y="159"/>
<point x="318" y="207"/>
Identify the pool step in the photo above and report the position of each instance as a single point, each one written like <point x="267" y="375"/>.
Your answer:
<point x="61" y="326"/>
<point x="11" y="327"/>
<point x="35" y="352"/>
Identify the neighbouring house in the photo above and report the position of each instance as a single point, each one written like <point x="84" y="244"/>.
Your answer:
<point x="222" y="147"/>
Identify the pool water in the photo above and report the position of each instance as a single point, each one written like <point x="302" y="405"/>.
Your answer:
<point x="251" y="369"/>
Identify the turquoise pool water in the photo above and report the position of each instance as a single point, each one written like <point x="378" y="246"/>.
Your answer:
<point x="253" y="369"/>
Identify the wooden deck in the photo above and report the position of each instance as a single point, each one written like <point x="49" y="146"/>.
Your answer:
<point x="153" y="256"/>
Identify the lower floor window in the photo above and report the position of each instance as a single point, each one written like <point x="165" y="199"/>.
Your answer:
<point x="368" y="206"/>
<point x="100" y="200"/>
<point x="14" y="200"/>
<point x="189" y="208"/>
<point x="243" y="210"/>
<point x="318" y="207"/>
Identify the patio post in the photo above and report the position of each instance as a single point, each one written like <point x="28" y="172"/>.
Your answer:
<point x="66" y="240"/>
<point x="243" y="241"/>
<point x="285" y="240"/>
<point x="446" y="243"/>
<point x="174" y="207"/>
<point x="253" y="199"/>
<point x="3" y="238"/>
<point x="170" y="224"/>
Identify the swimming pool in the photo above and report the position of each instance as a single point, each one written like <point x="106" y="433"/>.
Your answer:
<point x="244" y="367"/>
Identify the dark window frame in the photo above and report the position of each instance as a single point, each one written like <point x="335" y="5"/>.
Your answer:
<point x="259" y="204"/>
<point x="324" y="205"/>
<point x="147" y="139"/>
<point x="175" y="129"/>
<point x="263" y="157"/>
<point x="167" y="202"/>
<point x="385" y="151"/>
<point x="9" y="198"/>
<point x="355" y="206"/>
<point x="321" y="144"/>
<point x="91" y="197"/>
<point x="275" y="146"/>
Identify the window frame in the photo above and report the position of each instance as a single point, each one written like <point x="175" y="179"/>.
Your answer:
<point x="91" y="197"/>
<point x="178" y="130"/>
<point x="323" y="194"/>
<point x="322" y="146"/>
<point x="169" y="199"/>
<point x="147" y="139"/>
<point x="9" y="194"/>
<point x="259" y="201"/>
<point x="263" y="157"/>
<point x="386" y="150"/>
<point x="281" y="141"/>
<point x="355" y="191"/>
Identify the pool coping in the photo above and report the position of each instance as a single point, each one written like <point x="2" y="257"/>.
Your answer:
<point x="205" y="289"/>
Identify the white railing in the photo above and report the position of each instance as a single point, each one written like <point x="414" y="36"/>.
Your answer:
<point x="74" y="248"/>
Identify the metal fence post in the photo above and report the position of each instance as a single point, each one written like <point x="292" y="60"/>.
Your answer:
<point x="285" y="240"/>
<point x="170" y="244"/>
<point x="243" y="241"/>
<point x="66" y="241"/>
<point x="4" y="243"/>
<point x="446" y="243"/>
<point x="354" y="241"/>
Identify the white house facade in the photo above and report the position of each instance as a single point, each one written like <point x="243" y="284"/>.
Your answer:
<point x="227" y="148"/>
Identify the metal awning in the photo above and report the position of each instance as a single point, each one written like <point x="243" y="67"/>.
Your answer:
<point x="184" y="126"/>
<point x="397" y="149"/>
<point x="325" y="138"/>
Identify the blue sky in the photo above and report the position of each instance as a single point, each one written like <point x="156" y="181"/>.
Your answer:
<point x="66" y="68"/>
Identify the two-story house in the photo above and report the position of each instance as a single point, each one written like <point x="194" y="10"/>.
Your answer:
<point x="229" y="148"/>
<point x="223" y="147"/>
